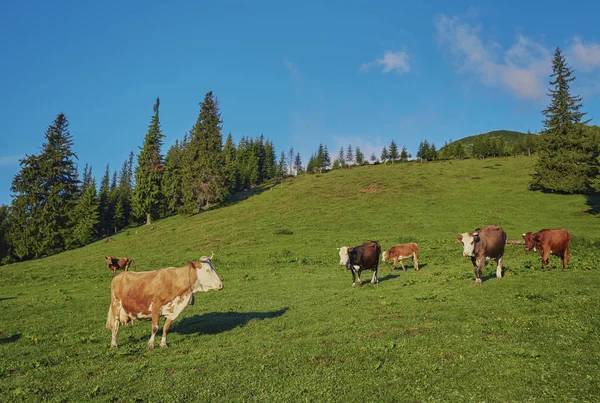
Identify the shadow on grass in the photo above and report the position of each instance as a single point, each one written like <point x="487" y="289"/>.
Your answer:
<point x="10" y="339"/>
<point x="409" y="267"/>
<point x="246" y="194"/>
<point x="387" y="277"/>
<point x="218" y="322"/>
<point x="593" y="202"/>
<point x="5" y="298"/>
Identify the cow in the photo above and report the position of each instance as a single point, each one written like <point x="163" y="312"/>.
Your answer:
<point x="359" y="258"/>
<point x="482" y="245"/>
<point x="399" y="252"/>
<point x="549" y="242"/>
<point x="152" y="294"/>
<point x="118" y="263"/>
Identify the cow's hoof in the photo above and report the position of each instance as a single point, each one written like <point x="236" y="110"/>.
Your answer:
<point x="163" y="346"/>
<point x="478" y="281"/>
<point x="499" y="278"/>
<point x="353" y="285"/>
<point x="150" y="346"/>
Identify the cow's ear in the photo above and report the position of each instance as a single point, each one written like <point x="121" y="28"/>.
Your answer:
<point x="475" y="234"/>
<point x="523" y="235"/>
<point x="191" y="263"/>
<point x="458" y="239"/>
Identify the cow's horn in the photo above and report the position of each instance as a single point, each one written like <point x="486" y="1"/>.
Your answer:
<point x="211" y="255"/>
<point x="523" y="235"/>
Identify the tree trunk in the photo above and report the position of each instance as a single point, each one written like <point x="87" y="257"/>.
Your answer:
<point x="148" y="221"/>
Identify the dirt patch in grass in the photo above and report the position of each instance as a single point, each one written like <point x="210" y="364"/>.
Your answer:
<point x="414" y="331"/>
<point x="372" y="188"/>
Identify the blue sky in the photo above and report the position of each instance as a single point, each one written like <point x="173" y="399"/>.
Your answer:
<point x="301" y="73"/>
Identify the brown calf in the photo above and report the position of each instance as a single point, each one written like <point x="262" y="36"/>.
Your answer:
<point x="116" y="263"/>
<point x="549" y="242"/>
<point x="399" y="252"/>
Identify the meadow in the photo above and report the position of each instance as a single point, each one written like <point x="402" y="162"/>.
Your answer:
<point x="287" y="325"/>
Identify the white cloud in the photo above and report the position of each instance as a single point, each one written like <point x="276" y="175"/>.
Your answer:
<point x="10" y="160"/>
<point x="292" y="68"/>
<point x="521" y="70"/>
<point x="391" y="61"/>
<point x="586" y="56"/>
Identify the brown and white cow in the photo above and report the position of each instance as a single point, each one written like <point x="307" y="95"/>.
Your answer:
<point x="152" y="294"/>
<point x="118" y="263"/>
<point x="548" y="242"/>
<point x="482" y="245"/>
<point x="359" y="258"/>
<point x="404" y="251"/>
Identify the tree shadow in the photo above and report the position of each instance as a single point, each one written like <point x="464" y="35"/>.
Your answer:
<point x="218" y="322"/>
<point x="247" y="193"/>
<point x="10" y="339"/>
<point x="593" y="202"/>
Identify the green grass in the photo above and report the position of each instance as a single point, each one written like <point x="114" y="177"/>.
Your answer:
<point x="288" y="326"/>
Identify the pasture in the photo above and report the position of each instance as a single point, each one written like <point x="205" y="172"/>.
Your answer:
<point x="287" y="325"/>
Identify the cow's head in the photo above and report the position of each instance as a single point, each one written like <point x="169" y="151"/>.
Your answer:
<point x="529" y="238"/>
<point x="468" y="240"/>
<point x="109" y="259"/>
<point x="207" y="276"/>
<point x="384" y="256"/>
<point x="343" y="251"/>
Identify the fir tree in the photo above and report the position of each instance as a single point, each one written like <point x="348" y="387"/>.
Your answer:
<point x="172" y="179"/>
<point x="44" y="194"/>
<point x="349" y="155"/>
<point x="204" y="178"/>
<point x="298" y="164"/>
<point x="290" y="161"/>
<point x="105" y="205"/>
<point x="384" y="154"/>
<point x="86" y="218"/>
<point x="281" y="167"/>
<point x="147" y="193"/>
<point x="359" y="156"/>
<point x="404" y="154"/>
<point x="230" y="171"/>
<point x="341" y="158"/>
<point x="87" y="179"/>
<point x="393" y="151"/>
<point x="564" y="165"/>
<point x="373" y="158"/>
<point x="4" y="230"/>
<point x="270" y="165"/>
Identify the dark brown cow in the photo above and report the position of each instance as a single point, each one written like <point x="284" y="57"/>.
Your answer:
<point x="549" y="242"/>
<point x="118" y="263"/>
<point x="359" y="258"/>
<point x="400" y="252"/>
<point x="484" y="244"/>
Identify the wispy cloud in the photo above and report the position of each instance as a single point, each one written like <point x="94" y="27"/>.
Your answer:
<point x="391" y="61"/>
<point x="291" y="68"/>
<point x="521" y="70"/>
<point x="586" y="56"/>
<point x="10" y="160"/>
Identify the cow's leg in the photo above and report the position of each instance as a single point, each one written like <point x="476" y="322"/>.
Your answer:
<point x="402" y="264"/>
<point x="395" y="264"/>
<point x="155" y="318"/>
<point x="360" y="269"/>
<point x="416" y="261"/>
<point x="353" y="277"/>
<point x="115" y="330"/>
<point x="163" y="339"/>
<point x="477" y="269"/>
<point x="499" y="262"/>
<point x="374" y="279"/>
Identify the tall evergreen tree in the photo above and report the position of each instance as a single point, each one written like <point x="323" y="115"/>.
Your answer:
<point x="204" y="178"/>
<point x="373" y="158"/>
<point x="4" y="230"/>
<point x="105" y="205"/>
<point x="564" y="163"/>
<point x="231" y="169"/>
<point x="384" y="154"/>
<point x="247" y="163"/>
<point x="86" y="218"/>
<point x="349" y="155"/>
<point x="404" y="154"/>
<point x="393" y="151"/>
<point x="270" y="165"/>
<point x="281" y="167"/>
<point x="172" y="179"/>
<point x="358" y="156"/>
<point x="341" y="157"/>
<point x="147" y="193"/>
<point x="44" y="194"/>
<point x="298" y="164"/>
<point x="87" y="179"/>
<point x="290" y="161"/>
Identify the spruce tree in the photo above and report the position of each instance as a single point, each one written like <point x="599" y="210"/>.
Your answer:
<point x="105" y="205"/>
<point x="359" y="156"/>
<point x="384" y="154"/>
<point x="204" y="179"/>
<point x="373" y="158"/>
<point x="172" y="179"/>
<point x="281" y="167"/>
<point x="298" y="164"/>
<point x="349" y="155"/>
<point x="270" y="165"/>
<point x="565" y="163"/>
<point x="147" y="193"/>
<point x="341" y="159"/>
<point x="44" y="194"/>
<point x="393" y="151"/>
<point x="4" y="229"/>
<point x="86" y="218"/>
<point x="403" y="155"/>
<point x="230" y="169"/>
<point x="290" y="161"/>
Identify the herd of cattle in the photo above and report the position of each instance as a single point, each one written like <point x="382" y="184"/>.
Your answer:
<point x="166" y="292"/>
<point x="481" y="245"/>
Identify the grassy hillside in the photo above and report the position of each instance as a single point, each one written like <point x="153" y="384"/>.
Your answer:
<point x="287" y="326"/>
<point x="509" y="136"/>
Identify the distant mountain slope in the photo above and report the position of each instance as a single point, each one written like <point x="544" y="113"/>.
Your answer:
<point x="509" y="137"/>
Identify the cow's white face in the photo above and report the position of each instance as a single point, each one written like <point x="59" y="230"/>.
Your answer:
<point x="207" y="276"/>
<point x="343" y="255"/>
<point x="468" y="241"/>
<point x="384" y="256"/>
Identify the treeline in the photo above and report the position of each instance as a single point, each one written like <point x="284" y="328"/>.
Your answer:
<point x="53" y="209"/>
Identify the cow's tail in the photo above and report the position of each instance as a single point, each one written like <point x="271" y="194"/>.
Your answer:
<point x="110" y="320"/>
<point x="134" y="265"/>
